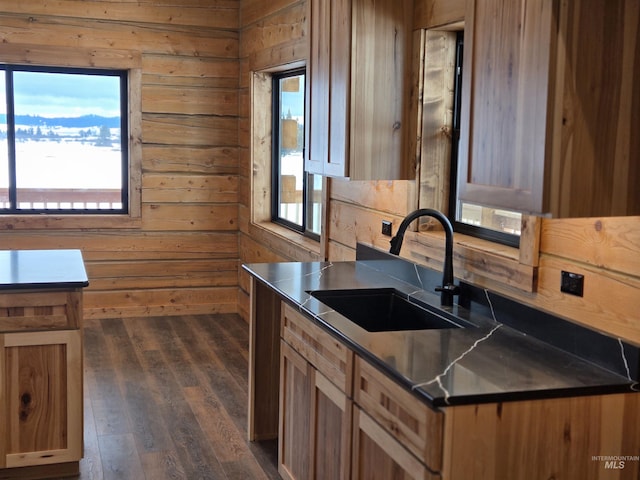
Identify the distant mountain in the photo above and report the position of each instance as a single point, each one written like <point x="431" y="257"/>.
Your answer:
<point x="84" y="121"/>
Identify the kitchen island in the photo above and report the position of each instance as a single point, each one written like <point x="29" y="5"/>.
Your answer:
<point x="484" y="401"/>
<point x="41" y="363"/>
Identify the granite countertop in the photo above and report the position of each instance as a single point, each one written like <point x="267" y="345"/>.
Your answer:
<point x="40" y="269"/>
<point x="488" y="361"/>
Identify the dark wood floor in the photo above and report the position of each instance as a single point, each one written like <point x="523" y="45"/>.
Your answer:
<point x="166" y="398"/>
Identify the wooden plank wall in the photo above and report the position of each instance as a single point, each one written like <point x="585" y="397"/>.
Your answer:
<point x="197" y="166"/>
<point x="271" y="34"/>
<point x="604" y="250"/>
<point x="183" y="256"/>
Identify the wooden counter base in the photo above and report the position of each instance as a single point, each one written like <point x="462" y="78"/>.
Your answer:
<point x="59" y="470"/>
<point x="562" y="438"/>
<point x="41" y="399"/>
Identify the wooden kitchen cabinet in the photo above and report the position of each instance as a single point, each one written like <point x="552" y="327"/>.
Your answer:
<point x="377" y="455"/>
<point x="315" y="414"/>
<point x="294" y="437"/>
<point x="409" y="421"/>
<point x="395" y="435"/>
<point x="542" y="438"/>
<point x="331" y="387"/>
<point x="326" y="353"/>
<point x="382" y="430"/>
<point x="331" y="438"/>
<point x="549" y="107"/>
<point x="323" y="436"/>
<point x="40" y="383"/>
<point x="359" y="89"/>
<point x="547" y="438"/>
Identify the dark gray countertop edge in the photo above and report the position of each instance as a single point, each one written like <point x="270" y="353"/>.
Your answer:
<point x="43" y="286"/>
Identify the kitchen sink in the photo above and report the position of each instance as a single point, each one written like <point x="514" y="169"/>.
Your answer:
<point x="381" y="310"/>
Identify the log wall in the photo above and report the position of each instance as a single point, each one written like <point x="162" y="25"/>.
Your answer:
<point x="196" y="62"/>
<point x="272" y="34"/>
<point x="605" y="250"/>
<point x="181" y="255"/>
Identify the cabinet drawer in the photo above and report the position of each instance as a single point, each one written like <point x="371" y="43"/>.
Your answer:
<point x="415" y="425"/>
<point x="379" y="456"/>
<point x="327" y="354"/>
<point x="44" y="310"/>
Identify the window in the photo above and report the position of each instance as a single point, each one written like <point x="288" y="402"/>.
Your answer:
<point x="296" y="195"/>
<point x="493" y="224"/>
<point x="63" y="140"/>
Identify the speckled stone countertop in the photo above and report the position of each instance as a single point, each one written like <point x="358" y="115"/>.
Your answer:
<point x="40" y="269"/>
<point x="488" y="361"/>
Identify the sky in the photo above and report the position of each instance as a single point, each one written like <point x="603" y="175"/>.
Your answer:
<point x="293" y="100"/>
<point x="63" y="95"/>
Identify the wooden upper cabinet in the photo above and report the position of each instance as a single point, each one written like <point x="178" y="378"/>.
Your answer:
<point x="359" y="88"/>
<point x="506" y="103"/>
<point x="596" y="166"/>
<point x="549" y="100"/>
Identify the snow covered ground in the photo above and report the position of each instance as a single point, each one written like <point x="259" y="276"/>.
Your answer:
<point x="63" y="164"/>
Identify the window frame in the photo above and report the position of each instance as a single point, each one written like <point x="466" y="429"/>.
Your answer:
<point x="307" y="192"/>
<point x="290" y="243"/>
<point x="81" y="57"/>
<point x="9" y="70"/>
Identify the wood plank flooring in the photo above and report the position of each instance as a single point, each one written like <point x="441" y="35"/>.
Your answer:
<point x="166" y="398"/>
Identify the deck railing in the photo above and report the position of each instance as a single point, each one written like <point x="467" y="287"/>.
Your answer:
<point x="64" y="199"/>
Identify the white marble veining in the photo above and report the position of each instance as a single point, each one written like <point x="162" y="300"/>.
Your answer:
<point x="635" y="386"/>
<point x="484" y="361"/>
<point x="438" y="378"/>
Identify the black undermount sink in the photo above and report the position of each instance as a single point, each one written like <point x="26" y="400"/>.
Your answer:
<point x="381" y="310"/>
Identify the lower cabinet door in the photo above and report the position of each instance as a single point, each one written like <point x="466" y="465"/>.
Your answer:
<point x="331" y="439"/>
<point x="40" y="398"/>
<point x="379" y="456"/>
<point x="315" y="422"/>
<point x="295" y="415"/>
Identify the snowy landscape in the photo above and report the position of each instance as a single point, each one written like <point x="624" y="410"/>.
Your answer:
<point x="67" y="132"/>
<point x="57" y="157"/>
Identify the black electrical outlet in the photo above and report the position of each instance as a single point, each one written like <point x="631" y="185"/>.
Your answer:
<point x="572" y="283"/>
<point x="386" y="228"/>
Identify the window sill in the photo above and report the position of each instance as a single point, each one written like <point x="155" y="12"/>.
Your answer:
<point x="285" y="242"/>
<point x="68" y="222"/>
<point x="480" y="262"/>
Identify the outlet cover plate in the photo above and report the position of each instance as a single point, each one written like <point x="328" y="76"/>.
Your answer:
<point x="572" y="283"/>
<point x="386" y="228"/>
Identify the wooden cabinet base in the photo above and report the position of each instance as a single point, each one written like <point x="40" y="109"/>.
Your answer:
<point x="377" y="455"/>
<point x="41" y="389"/>
<point x="383" y="431"/>
<point x="59" y="470"/>
<point x="562" y="438"/>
